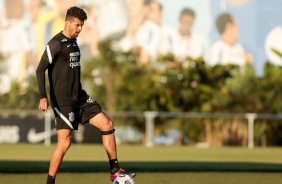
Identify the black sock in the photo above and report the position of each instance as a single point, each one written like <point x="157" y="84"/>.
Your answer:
<point x="114" y="166"/>
<point x="50" y="179"/>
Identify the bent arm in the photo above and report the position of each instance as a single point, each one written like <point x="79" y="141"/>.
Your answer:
<point x="52" y="49"/>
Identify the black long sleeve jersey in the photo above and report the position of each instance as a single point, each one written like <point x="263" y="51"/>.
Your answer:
<point x="62" y="59"/>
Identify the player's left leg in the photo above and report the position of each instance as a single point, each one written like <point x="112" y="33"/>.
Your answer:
<point x="106" y="126"/>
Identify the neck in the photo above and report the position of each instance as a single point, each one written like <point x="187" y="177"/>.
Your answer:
<point x="228" y="39"/>
<point x="66" y="34"/>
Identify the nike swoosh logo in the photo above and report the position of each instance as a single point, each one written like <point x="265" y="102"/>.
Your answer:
<point x="34" y="137"/>
<point x="69" y="45"/>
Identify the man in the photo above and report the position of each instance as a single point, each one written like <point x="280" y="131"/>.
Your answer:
<point x="54" y="25"/>
<point x="189" y="44"/>
<point x="12" y="31"/>
<point x="35" y="14"/>
<point x="154" y="38"/>
<point x="227" y="50"/>
<point x="137" y="11"/>
<point x="70" y="102"/>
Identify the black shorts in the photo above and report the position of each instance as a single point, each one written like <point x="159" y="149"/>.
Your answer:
<point x="69" y="117"/>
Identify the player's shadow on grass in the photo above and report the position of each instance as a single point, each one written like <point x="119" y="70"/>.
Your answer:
<point x="84" y="166"/>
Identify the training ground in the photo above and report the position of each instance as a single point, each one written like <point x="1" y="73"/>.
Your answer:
<point x="84" y="164"/>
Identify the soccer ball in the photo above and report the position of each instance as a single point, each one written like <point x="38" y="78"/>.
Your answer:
<point x="123" y="179"/>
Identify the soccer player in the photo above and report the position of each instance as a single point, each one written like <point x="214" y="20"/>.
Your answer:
<point x="227" y="50"/>
<point x="189" y="43"/>
<point x="70" y="102"/>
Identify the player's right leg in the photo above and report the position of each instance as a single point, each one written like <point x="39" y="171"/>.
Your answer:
<point x="66" y="120"/>
<point x="63" y="144"/>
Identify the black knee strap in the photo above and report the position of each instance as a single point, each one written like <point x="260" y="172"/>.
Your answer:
<point x="108" y="132"/>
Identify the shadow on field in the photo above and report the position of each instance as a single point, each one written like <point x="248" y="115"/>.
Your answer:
<point x="79" y="166"/>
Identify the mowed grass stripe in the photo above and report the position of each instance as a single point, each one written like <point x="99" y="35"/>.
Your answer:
<point x="82" y="152"/>
<point x="78" y="166"/>
<point x="147" y="178"/>
<point x="34" y="158"/>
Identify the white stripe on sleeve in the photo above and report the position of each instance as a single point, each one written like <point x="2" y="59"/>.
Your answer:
<point x="49" y="54"/>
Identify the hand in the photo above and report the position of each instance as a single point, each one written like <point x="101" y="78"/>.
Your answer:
<point x="249" y="57"/>
<point x="43" y="104"/>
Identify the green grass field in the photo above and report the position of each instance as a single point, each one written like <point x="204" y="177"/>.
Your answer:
<point x="150" y="178"/>
<point x="84" y="164"/>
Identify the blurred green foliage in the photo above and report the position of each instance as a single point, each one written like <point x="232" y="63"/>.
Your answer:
<point x="119" y="83"/>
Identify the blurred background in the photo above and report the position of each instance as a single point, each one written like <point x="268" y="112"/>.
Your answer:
<point x="202" y="73"/>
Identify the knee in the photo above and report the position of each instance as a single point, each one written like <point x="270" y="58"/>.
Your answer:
<point x="108" y="125"/>
<point x="64" y="145"/>
<point x="102" y="122"/>
<point x="67" y="144"/>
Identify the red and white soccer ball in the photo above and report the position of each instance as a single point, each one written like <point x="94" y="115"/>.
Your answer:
<point x="123" y="179"/>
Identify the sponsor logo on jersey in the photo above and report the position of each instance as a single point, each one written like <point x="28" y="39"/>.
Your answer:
<point x="74" y="59"/>
<point x="74" y="64"/>
<point x="64" y="40"/>
<point x="74" y="54"/>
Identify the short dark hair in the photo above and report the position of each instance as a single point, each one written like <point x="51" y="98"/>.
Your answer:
<point x="147" y="2"/>
<point x="187" y="11"/>
<point x="159" y="4"/>
<point x="222" y="21"/>
<point x="76" y="12"/>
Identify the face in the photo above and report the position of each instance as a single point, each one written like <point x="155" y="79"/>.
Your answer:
<point x="134" y="7"/>
<point x="186" y="23"/>
<point x="14" y="9"/>
<point x="232" y="29"/>
<point x="155" y="13"/>
<point x="33" y="9"/>
<point x="73" y="27"/>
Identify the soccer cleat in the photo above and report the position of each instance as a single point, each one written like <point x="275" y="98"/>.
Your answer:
<point x="121" y="171"/>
